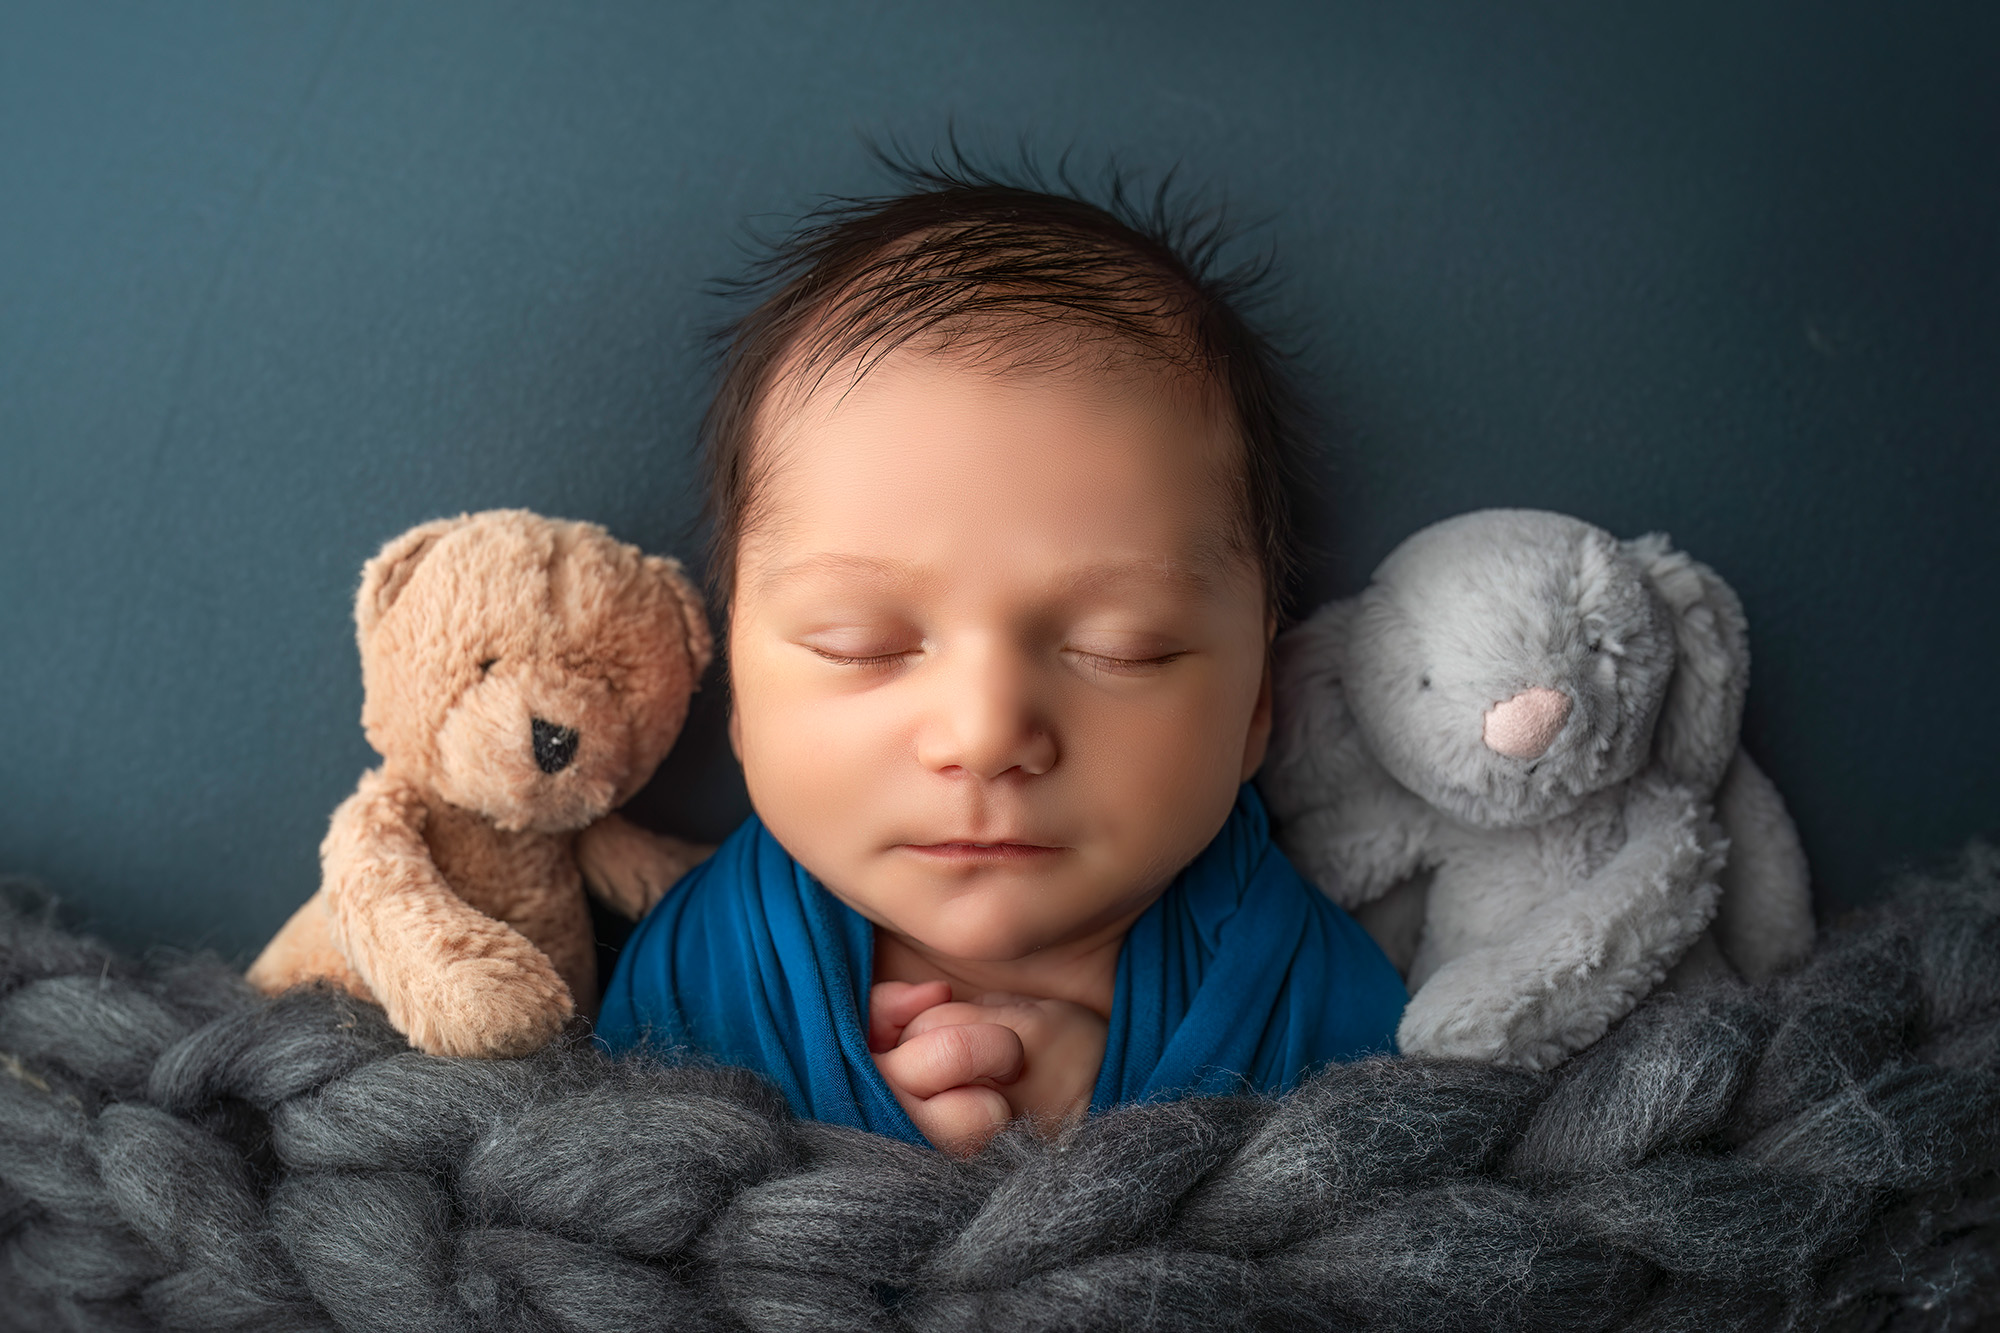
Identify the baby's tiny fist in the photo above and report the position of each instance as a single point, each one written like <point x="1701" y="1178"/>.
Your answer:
<point x="962" y="1069"/>
<point x="943" y="1075"/>
<point x="1063" y="1049"/>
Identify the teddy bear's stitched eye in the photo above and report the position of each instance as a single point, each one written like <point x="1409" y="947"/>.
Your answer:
<point x="487" y="665"/>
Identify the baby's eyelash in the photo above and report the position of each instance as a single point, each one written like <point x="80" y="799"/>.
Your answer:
<point x="1125" y="664"/>
<point x="1099" y="661"/>
<point x="841" y="660"/>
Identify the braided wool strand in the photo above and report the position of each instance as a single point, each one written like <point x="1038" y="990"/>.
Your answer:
<point x="1822" y="1152"/>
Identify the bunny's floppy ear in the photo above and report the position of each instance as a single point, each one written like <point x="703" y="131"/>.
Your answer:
<point x="384" y="577"/>
<point x="1696" y="734"/>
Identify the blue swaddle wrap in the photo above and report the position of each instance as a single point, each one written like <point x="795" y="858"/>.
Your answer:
<point x="1242" y="976"/>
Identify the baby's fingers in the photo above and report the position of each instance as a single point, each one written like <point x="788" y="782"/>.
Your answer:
<point x="892" y="1004"/>
<point x="950" y="1057"/>
<point x="960" y="1120"/>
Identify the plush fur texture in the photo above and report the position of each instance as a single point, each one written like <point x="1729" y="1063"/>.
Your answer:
<point x="522" y="676"/>
<point x="1512" y="741"/>
<point x="1821" y="1152"/>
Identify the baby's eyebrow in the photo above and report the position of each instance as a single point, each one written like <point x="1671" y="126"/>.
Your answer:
<point x="1193" y="576"/>
<point x="1196" y="575"/>
<point x="838" y="564"/>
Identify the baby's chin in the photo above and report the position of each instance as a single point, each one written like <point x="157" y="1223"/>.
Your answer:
<point x="1001" y="924"/>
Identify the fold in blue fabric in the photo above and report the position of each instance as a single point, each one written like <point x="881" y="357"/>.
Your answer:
<point x="1241" y="977"/>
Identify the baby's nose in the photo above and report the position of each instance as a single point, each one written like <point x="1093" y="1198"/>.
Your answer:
<point x="1524" y="726"/>
<point x="985" y="719"/>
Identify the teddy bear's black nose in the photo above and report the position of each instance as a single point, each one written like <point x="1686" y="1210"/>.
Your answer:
<point x="554" y="746"/>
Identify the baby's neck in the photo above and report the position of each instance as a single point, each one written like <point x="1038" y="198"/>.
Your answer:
<point x="1084" y="972"/>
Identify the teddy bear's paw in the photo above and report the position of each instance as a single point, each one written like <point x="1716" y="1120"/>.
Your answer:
<point x="490" y="1007"/>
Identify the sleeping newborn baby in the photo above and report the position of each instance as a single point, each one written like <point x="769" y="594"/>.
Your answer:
<point x="997" y="483"/>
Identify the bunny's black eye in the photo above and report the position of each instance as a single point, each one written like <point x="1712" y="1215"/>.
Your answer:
<point x="1424" y="683"/>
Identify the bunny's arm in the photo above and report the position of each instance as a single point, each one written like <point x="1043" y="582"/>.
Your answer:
<point x="454" y="980"/>
<point x="629" y="868"/>
<point x="1348" y="826"/>
<point x="1580" y="962"/>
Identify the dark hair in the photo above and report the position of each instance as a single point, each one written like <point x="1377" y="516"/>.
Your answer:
<point x="970" y="259"/>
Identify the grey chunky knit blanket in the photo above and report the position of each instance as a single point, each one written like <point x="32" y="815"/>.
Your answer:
<point x="1820" y="1153"/>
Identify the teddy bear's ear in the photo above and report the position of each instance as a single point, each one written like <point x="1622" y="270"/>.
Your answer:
<point x="384" y="578"/>
<point x="694" y="612"/>
<point x="1697" y="732"/>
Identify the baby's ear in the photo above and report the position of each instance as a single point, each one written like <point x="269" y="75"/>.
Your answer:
<point x="694" y="612"/>
<point x="1697" y="732"/>
<point x="384" y="577"/>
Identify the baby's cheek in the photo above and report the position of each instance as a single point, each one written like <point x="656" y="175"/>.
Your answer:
<point x="824" y="754"/>
<point x="821" y="773"/>
<point x="1160" y="768"/>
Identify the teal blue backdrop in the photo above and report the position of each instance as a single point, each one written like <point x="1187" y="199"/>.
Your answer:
<point x="280" y="279"/>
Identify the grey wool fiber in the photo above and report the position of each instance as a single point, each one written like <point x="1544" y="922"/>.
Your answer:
<point x="1819" y="1152"/>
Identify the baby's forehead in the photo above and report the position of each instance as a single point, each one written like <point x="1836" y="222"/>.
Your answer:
<point x="915" y="382"/>
<point x="886" y="443"/>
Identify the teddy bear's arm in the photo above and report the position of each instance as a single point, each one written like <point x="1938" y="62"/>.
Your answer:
<point x="453" y="980"/>
<point x="1581" y="961"/>
<point x="628" y="868"/>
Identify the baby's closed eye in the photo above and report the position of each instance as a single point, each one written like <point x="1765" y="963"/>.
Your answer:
<point x="1123" y="659"/>
<point x="860" y="659"/>
<point x="1098" y="653"/>
<point x="855" y="644"/>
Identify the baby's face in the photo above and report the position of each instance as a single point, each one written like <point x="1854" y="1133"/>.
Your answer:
<point x="997" y="668"/>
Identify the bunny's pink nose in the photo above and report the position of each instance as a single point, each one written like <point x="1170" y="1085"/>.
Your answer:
<point x="1526" y="725"/>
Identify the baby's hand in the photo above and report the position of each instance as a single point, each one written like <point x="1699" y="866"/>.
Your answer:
<point x="961" y="1070"/>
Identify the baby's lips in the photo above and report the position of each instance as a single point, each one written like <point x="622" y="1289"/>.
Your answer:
<point x="967" y="852"/>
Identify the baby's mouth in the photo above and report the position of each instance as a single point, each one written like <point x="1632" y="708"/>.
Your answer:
<point x="962" y="852"/>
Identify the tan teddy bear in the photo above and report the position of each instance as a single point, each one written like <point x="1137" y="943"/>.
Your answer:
<point x="522" y="677"/>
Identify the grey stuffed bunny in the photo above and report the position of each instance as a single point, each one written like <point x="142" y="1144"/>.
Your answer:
<point x="1545" y="719"/>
